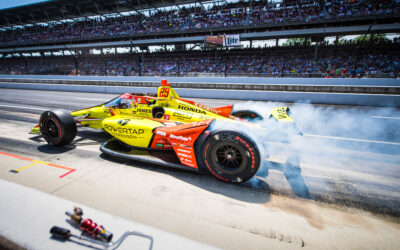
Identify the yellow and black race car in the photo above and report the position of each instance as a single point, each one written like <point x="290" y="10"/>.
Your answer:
<point x="167" y="130"/>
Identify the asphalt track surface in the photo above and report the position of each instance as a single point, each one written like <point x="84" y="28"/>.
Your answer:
<point x="348" y="158"/>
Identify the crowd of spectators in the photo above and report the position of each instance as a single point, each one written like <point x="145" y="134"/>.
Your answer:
<point x="349" y="8"/>
<point x="302" y="13"/>
<point x="241" y="13"/>
<point x="332" y="61"/>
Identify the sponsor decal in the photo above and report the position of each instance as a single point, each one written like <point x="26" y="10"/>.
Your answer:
<point x="184" y="155"/>
<point x="161" y="133"/>
<point x="129" y="131"/>
<point x="188" y="162"/>
<point x="161" y="141"/>
<point x="162" y="103"/>
<point x="143" y="110"/>
<point x="166" y="117"/>
<point x="191" y="109"/>
<point x="159" y="145"/>
<point x="184" y="150"/>
<point x="206" y="108"/>
<point x="123" y="122"/>
<point x="181" y="138"/>
<point x="169" y="124"/>
<point x="182" y="115"/>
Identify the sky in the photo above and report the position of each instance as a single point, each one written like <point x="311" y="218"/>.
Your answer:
<point x="4" y="4"/>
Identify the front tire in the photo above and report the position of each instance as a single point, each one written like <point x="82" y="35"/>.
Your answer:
<point x="57" y="127"/>
<point x="158" y="112"/>
<point x="231" y="156"/>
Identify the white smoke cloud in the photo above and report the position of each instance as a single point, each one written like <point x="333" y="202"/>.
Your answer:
<point x="338" y="141"/>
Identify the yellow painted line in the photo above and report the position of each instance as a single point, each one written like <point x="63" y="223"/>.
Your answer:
<point x="40" y="162"/>
<point x="30" y="165"/>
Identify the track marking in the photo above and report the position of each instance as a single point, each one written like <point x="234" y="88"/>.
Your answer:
<point x="16" y="156"/>
<point x="353" y="139"/>
<point x="22" y="107"/>
<point x="35" y="162"/>
<point x="30" y="165"/>
<point x="386" y="117"/>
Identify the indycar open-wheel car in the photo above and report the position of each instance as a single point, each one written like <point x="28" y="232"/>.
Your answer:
<point x="167" y="130"/>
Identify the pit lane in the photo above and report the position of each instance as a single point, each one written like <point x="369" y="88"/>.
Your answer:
<point x="361" y="173"/>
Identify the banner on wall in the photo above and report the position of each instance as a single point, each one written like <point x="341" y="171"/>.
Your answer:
<point x="222" y="41"/>
<point x="231" y="40"/>
<point x="214" y="41"/>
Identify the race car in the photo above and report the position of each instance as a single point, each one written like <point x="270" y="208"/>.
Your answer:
<point x="167" y="130"/>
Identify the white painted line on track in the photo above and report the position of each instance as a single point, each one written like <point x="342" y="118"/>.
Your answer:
<point x="386" y="117"/>
<point x="353" y="139"/>
<point x="22" y="107"/>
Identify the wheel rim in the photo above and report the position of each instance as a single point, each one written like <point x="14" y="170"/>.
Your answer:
<point x="50" y="129"/>
<point x="229" y="157"/>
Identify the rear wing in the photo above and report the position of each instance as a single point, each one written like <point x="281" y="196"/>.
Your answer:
<point x="165" y="91"/>
<point x="281" y="114"/>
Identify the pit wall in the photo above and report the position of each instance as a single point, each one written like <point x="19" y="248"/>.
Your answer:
<point x="231" y="80"/>
<point x="364" y="92"/>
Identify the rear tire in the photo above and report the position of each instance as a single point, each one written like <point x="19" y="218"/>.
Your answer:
<point x="57" y="127"/>
<point x="231" y="156"/>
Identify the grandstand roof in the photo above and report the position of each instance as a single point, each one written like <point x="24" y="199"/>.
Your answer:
<point x="67" y="9"/>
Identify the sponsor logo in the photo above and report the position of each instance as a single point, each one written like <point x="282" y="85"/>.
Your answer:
<point x="206" y="108"/>
<point x="191" y="109"/>
<point x="159" y="145"/>
<point x="129" y="131"/>
<point x="188" y="162"/>
<point x="166" y="117"/>
<point x="163" y="103"/>
<point x="186" y="139"/>
<point x="184" y="151"/>
<point x="161" y="141"/>
<point x="123" y="122"/>
<point x="143" y="110"/>
<point x="182" y="115"/>
<point x="161" y="133"/>
<point x="184" y="155"/>
<point x="170" y="124"/>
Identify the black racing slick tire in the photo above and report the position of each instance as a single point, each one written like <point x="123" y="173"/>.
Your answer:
<point x="57" y="127"/>
<point x="231" y="156"/>
<point x="158" y="112"/>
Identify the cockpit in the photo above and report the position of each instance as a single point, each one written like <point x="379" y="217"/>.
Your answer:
<point x="122" y="102"/>
<point x="129" y="100"/>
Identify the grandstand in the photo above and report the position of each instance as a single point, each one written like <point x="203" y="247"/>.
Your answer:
<point x="298" y="38"/>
